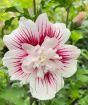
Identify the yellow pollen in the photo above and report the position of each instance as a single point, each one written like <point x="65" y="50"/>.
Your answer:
<point x="42" y="58"/>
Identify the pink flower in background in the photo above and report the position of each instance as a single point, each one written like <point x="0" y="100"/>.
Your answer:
<point x="39" y="56"/>
<point x="79" y="18"/>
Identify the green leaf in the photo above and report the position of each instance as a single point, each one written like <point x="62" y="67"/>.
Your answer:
<point x="25" y="3"/>
<point x="83" y="100"/>
<point x="82" y="75"/>
<point x="85" y="54"/>
<point x="11" y="9"/>
<point x="75" y="36"/>
<point x="2" y="101"/>
<point x="13" y="95"/>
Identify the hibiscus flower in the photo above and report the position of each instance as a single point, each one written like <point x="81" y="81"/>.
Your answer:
<point x="39" y="56"/>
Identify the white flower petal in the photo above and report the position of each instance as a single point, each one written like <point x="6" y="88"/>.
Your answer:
<point x="13" y="57"/>
<point x="70" y="68"/>
<point x="68" y="52"/>
<point x="69" y="55"/>
<point x="12" y="60"/>
<point x="51" y="66"/>
<point x="27" y="47"/>
<point x="27" y="64"/>
<point x="41" y="22"/>
<point x="61" y="32"/>
<point x="27" y="68"/>
<point x="49" y="42"/>
<point x="57" y="30"/>
<point x="40" y="72"/>
<point x="44" y="89"/>
<point x="27" y="32"/>
<point x="45" y="28"/>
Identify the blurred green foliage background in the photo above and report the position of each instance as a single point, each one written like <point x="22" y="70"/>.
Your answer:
<point x="74" y="13"/>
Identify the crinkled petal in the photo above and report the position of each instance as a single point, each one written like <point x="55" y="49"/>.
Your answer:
<point x="27" y="64"/>
<point x="57" y="30"/>
<point x="31" y="50"/>
<point x="45" y="28"/>
<point x="28" y="47"/>
<point x="12" y="60"/>
<point x="13" y="57"/>
<point x="27" y="67"/>
<point x="27" y="32"/>
<point x="49" y="42"/>
<point x="44" y="89"/>
<point x="68" y="52"/>
<point x="70" y="68"/>
<point x="50" y="54"/>
<point x="51" y="66"/>
<point x="40" y="72"/>
<point x="61" y="33"/>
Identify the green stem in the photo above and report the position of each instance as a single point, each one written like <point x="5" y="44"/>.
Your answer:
<point x="31" y="99"/>
<point x="37" y="102"/>
<point x="67" y="18"/>
<point x="34" y="6"/>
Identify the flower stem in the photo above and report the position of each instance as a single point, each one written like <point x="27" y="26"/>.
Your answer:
<point x="37" y="102"/>
<point x="68" y="10"/>
<point x="31" y="99"/>
<point x="34" y="6"/>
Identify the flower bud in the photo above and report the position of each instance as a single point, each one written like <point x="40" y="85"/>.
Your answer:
<point x="79" y="18"/>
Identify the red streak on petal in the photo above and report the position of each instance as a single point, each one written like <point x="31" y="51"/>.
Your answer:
<point x="49" y="78"/>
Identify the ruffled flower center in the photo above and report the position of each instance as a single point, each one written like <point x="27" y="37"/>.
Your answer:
<point x="40" y="58"/>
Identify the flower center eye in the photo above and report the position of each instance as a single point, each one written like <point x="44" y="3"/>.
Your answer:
<point x="41" y="61"/>
<point x="42" y="58"/>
